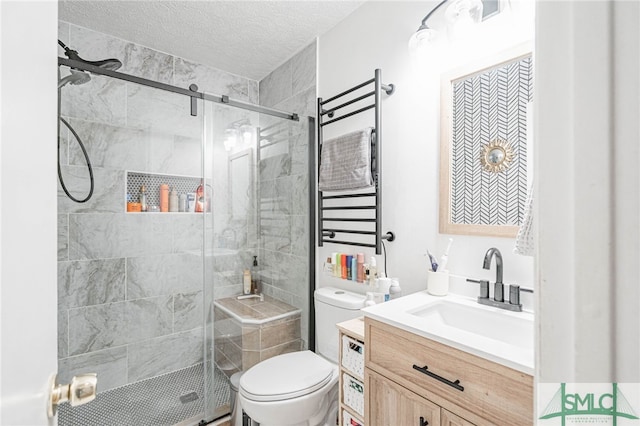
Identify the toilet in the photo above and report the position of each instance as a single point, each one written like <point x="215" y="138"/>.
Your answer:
<point x="301" y="388"/>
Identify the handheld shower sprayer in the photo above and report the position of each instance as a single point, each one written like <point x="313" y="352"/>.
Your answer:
<point x="78" y="77"/>
<point x="107" y="64"/>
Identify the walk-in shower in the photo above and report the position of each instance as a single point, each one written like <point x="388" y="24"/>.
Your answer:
<point x="136" y="290"/>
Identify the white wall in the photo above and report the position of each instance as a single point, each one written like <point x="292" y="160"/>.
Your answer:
<point x="376" y="36"/>
<point x="28" y="214"/>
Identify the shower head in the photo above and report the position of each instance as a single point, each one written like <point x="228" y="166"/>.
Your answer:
<point x="107" y="64"/>
<point x="76" y="78"/>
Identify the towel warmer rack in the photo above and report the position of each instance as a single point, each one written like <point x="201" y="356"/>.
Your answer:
<point x="326" y="117"/>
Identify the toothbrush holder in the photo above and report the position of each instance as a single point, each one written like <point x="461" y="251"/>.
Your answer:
<point x="438" y="283"/>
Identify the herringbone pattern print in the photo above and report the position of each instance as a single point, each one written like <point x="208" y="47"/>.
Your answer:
<point x="485" y="107"/>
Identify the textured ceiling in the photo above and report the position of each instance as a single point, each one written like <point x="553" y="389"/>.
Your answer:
<point x="248" y="38"/>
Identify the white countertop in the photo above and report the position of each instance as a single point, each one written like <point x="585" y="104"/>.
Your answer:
<point x="519" y="355"/>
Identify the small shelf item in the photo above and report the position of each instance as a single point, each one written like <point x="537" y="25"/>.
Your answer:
<point x="355" y="216"/>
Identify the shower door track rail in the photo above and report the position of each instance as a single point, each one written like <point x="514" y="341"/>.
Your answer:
<point x="193" y="94"/>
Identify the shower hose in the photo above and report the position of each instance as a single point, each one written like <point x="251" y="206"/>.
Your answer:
<point x="86" y="157"/>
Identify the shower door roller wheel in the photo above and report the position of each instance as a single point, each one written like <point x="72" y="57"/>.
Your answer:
<point x="81" y="390"/>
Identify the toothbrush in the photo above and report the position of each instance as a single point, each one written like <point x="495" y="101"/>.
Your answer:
<point x="434" y="263"/>
<point x="445" y="257"/>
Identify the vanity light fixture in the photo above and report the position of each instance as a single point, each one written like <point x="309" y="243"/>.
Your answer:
<point x="238" y="132"/>
<point x="459" y="14"/>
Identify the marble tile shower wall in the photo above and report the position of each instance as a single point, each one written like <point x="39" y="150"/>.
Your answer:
<point x="284" y="186"/>
<point x="130" y="285"/>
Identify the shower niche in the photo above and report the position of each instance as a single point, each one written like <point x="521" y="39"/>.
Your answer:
<point x="152" y="182"/>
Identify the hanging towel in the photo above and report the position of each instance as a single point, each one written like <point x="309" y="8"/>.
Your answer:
<point x="525" y="240"/>
<point x="345" y="162"/>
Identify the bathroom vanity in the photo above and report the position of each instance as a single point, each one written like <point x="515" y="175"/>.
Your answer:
<point x="429" y="361"/>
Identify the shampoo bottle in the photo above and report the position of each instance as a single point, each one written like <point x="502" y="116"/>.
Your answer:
<point x="173" y="200"/>
<point x="200" y="201"/>
<point x="373" y="271"/>
<point x="360" y="266"/>
<point x="164" y="197"/>
<point x="143" y="198"/>
<point x="246" y="282"/>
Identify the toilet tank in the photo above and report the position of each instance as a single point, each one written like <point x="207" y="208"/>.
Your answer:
<point x="332" y="306"/>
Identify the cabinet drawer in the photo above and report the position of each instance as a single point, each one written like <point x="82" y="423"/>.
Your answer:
<point x="490" y="391"/>
<point x="392" y="405"/>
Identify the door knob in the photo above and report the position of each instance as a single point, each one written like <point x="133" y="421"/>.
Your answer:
<point x="81" y="390"/>
<point x="423" y="422"/>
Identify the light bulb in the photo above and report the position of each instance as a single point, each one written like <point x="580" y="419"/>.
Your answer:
<point x="422" y="39"/>
<point x="230" y="139"/>
<point x="461" y="16"/>
<point x="247" y="134"/>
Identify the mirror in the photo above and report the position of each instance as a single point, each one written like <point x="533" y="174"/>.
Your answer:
<point x="241" y="183"/>
<point x="496" y="156"/>
<point x="483" y="147"/>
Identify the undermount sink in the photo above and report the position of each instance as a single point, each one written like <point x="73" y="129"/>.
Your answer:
<point x="495" y="334"/>
<point x="478" y="320"/>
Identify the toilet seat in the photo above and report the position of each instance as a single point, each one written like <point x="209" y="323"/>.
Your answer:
<point x="286" y="376"/>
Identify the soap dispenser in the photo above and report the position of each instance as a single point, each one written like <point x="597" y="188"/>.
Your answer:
<point x="255" y="282"/>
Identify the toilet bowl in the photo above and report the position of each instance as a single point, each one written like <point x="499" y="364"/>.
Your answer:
<point x="294" y="389"/>
<point x="301" y="388"/>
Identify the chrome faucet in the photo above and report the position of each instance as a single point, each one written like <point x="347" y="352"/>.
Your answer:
<point x="498" y="287"/>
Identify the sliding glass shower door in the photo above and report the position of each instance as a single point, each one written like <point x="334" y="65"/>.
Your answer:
<point x="131" y="282"/>
<point x="257" y="169"/>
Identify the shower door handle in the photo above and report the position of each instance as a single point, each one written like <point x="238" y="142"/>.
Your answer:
<point x="81" y="390"/>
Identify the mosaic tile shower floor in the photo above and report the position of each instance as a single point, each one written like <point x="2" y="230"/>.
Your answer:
<point x="153" y="402"/>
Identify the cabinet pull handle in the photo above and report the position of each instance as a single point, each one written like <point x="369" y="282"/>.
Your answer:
<point x="426" y="371"/>
<point x="423" y="422"/>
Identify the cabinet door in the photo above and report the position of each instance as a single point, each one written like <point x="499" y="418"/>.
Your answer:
<point x="450" y="419"/>
<point x="389" y="404"/>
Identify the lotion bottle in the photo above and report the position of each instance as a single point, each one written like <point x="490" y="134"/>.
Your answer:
<point x="395" y="291"/>
<point x="173" y="200"/>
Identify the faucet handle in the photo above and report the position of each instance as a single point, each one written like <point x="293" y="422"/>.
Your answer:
<point x="484" y="287"/>
<point x="514" y="293"/>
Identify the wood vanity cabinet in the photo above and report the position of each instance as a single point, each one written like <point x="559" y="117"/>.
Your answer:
<point x="414" y="381"/>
